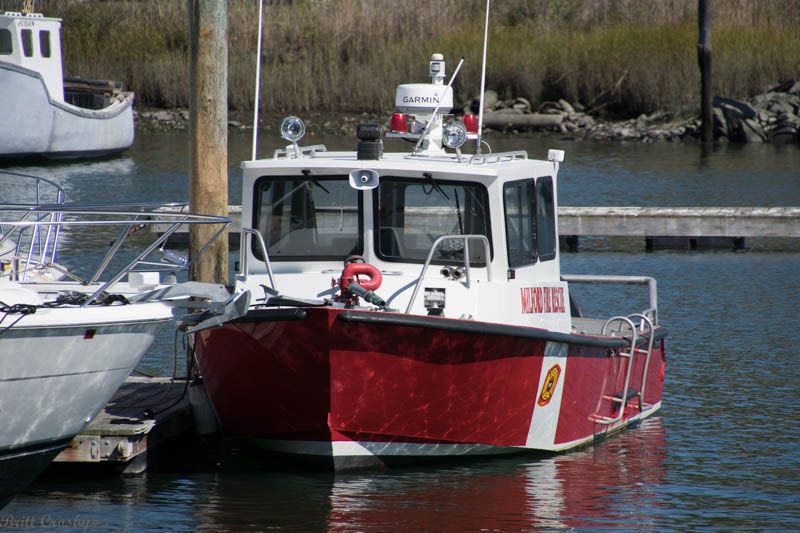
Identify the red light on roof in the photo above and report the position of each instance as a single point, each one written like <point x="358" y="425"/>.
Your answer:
<point x="398" y="123"/>
<point x="471" y="123"/>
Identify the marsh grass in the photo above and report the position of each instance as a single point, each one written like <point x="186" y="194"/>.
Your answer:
<point x="620" y="56"/>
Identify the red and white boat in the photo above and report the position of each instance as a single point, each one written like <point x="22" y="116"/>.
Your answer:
<point x="411" y="305"/>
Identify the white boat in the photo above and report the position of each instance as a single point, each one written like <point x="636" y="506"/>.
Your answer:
<point x="46" y="115"/>
<point x="67" y="345"/>
<point x="410" y="305"/>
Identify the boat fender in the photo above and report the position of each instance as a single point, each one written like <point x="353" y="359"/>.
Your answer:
<point x="351" y="270"/>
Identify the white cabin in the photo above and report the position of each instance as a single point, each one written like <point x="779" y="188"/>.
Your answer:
<point x="33" y="41"/>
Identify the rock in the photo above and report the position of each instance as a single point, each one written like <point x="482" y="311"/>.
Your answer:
<point x="744" y="109"/>
<point x="720" y="124"/>
<point x="163" y="116"/>
<point x="780" y="106"/>
<point x="490" y="99"/>
<point x="794" y="89"/>
<point x="522" y="104"/>
<point x="234" y="124"/>
<point x="566" y="106"/>
<point x="786" y="134"/>
<point x="751" y="131"/>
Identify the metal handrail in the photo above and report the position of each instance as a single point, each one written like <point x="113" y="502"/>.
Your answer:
<point x="436" y="244"/>
<point x="111" y="216"/>
<point x="652" y="310"/>
<point x="623" y="401"/>
<point x="243" y="266"/>
<point x="642" y="320"/>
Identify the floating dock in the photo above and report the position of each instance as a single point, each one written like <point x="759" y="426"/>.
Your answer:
<point x="679" y="226"/>
<point x="144" y="413"/>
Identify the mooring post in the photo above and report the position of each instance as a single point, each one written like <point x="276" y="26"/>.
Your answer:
<point x="704" y="60"/>
<point x="208" y="127"/>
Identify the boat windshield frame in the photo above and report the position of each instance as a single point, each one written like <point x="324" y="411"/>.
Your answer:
<point x="296" y="233"/>
<point x="389" y="236"/>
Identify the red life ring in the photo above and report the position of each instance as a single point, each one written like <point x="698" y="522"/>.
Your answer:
<point x="351" y="270"/>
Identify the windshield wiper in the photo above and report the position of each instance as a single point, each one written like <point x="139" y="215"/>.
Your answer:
<point x="315" y="181"/>
<point x="429" y="178"/>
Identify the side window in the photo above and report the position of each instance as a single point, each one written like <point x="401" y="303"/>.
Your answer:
<point x="27" y="43"/>
<point x="545" y="219"/>
<point x="5" y="42"/>
<point x="44" y="43"/>
<point x="518" y="199"/>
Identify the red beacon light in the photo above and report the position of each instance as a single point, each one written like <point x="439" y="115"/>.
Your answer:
<point x="471" y="123"/>
<point x="398" y="123"/>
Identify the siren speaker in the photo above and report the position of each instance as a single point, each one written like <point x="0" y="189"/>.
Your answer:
<point x="364" y="179"/>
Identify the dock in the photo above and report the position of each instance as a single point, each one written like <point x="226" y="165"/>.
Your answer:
<point x="144" y="413"/>
<point x="679" y="226"/>
<point x="686" y="227"/>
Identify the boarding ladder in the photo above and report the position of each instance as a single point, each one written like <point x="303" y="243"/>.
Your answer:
<point x="623" y="398"/>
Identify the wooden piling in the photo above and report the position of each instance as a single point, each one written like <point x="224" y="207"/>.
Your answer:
<point x="208" y="126"/>
<point x="704" y="60"/>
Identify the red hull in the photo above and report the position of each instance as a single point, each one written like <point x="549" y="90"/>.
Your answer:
<point x="322" y="379"/>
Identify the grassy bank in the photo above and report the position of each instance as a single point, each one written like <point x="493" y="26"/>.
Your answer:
<point x="620" y="56"/>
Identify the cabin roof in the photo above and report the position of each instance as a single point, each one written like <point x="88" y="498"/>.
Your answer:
<point x="487" y="165"/>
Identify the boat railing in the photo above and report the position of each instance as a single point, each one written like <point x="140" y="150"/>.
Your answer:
<point x="621" y="400"/>
<point x="34" y="190"/>
<point x="299" y="151"/>
<point x="468" y="277"/>
<point x="249" y="234"/>
<point x="498" y="157"/>
<point x="130" y="218"/>
<point x="651" y="312"/>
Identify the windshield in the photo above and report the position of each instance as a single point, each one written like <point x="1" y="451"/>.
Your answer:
<point x="411" y="214"/>
<point x="308" y="217"/>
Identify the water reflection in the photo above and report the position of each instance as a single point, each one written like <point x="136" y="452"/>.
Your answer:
<point x="609" y="483"/>
<point x="616" y="484"/>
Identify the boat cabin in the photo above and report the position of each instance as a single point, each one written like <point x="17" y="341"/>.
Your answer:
<point x="33" y="42"/>
<point x="452" y="235"/>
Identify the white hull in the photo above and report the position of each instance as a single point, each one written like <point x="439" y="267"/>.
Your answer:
<point x="58" y="375"/>
<point x="38" y="125"/>
<point x="351" y="454"/>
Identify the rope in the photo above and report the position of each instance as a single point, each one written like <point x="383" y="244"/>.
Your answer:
<point x="69" y="298"/>
<point x="20" y="309"/>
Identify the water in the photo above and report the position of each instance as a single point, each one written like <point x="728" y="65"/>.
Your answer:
<point x="723" y="455"/>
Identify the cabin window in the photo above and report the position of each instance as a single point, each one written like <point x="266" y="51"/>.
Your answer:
<point x="308" y="218"/>
<point x="545" y="219"/>
<point x="530" y="221"/>
<point x="412" y="214"/>
<point x="5" y="42"/>
<point x="27" y="43"/>
<point x="518" y="198"/>
<point x="44" y="43"/>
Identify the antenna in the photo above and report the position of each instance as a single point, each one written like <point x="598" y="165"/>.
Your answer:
<point x="436" y="109"/>
<point x="258" y="80"/>
<point x="483" y="79"/>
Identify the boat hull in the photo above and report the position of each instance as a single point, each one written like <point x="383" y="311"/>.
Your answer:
<point x="45" y="127"/>
<point x="58" y="373"/>
<point x="367" y="388"/>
